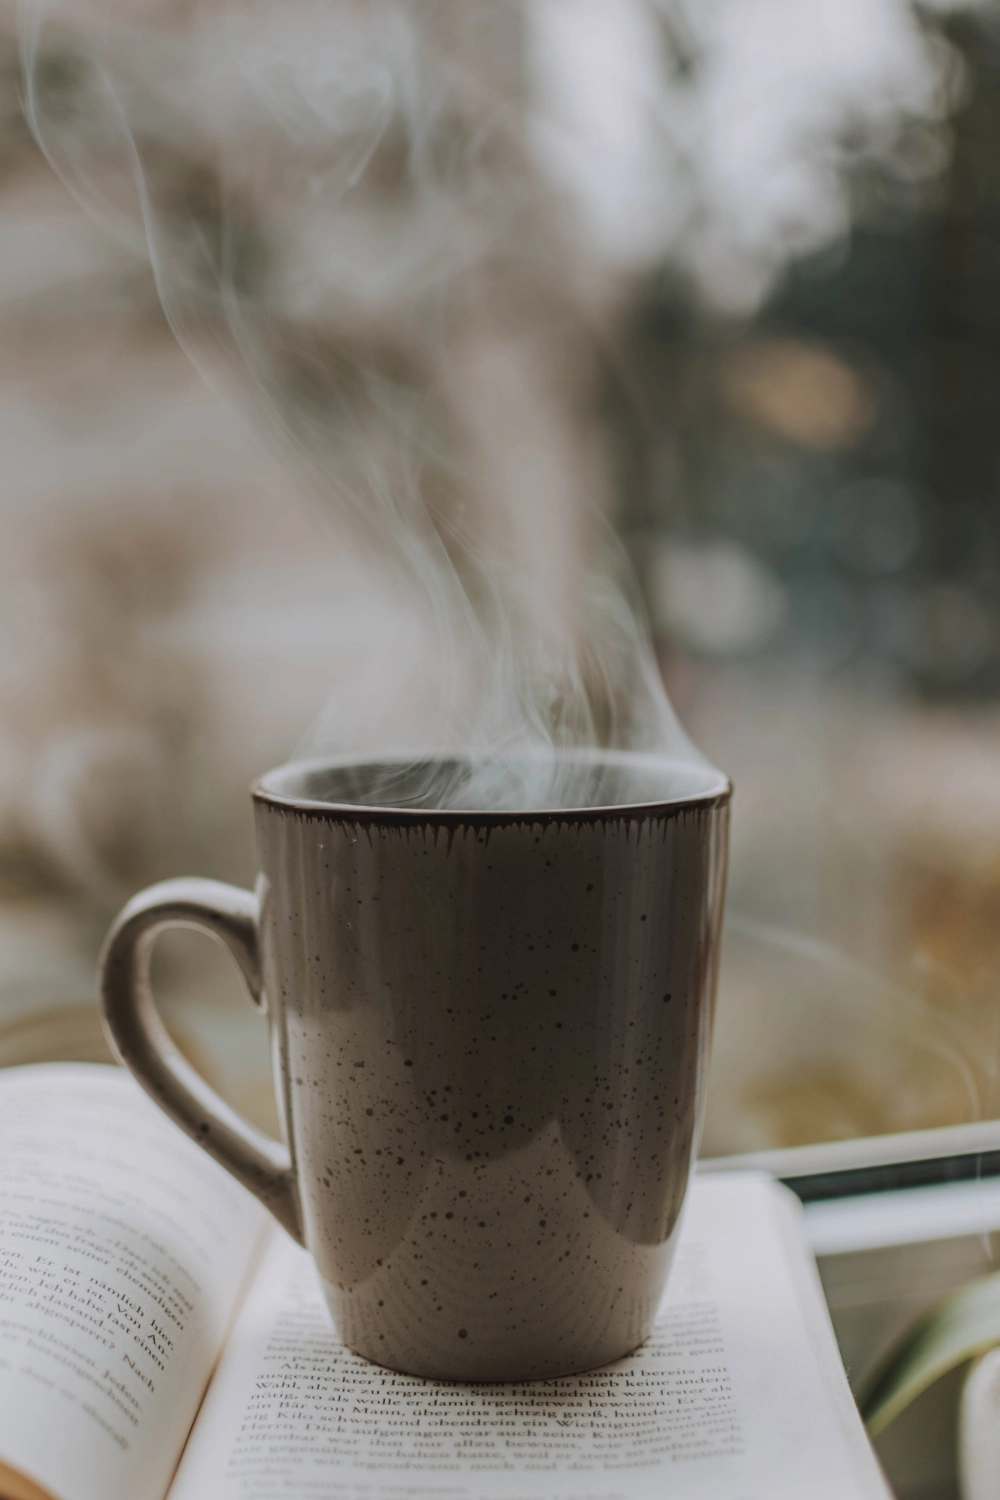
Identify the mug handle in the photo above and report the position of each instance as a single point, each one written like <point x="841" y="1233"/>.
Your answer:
<point x="140" y="1040"/>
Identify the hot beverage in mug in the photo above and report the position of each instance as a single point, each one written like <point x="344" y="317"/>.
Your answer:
<point x="490" y="1032"/>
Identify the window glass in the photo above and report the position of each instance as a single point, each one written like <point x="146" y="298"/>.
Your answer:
<point x="772" y="231"/>
<point x="818" y="543"/>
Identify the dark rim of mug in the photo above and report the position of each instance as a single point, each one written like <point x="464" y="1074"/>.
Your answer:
<point x="716" y="794"/>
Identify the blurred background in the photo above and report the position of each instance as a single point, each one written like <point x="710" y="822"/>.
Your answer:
<point x="743" y="271"/>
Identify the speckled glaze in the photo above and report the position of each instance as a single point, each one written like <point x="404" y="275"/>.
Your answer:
<point x="491" y="1034"/>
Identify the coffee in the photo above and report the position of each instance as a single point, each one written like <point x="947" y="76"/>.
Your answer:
<point x="491" y="1032"/>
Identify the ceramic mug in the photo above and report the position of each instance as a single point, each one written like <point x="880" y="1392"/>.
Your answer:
<point x="490" y="1033"/>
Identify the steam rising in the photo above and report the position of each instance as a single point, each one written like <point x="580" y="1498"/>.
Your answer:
<point x="409" y="229"/>
<point x="345" y="218"/>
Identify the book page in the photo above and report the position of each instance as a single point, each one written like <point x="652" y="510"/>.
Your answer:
<point x="123" y="1249"/>
<point x="738" y="1395"/>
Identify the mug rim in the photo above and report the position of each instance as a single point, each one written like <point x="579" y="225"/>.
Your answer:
<point x="267" y="791"/>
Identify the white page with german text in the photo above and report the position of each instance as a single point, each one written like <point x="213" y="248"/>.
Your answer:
<point x="123" y="1250"/>
<point x="738" y="1395"/>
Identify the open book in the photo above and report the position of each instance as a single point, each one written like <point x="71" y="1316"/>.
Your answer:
<point x="159" y="1337"/>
